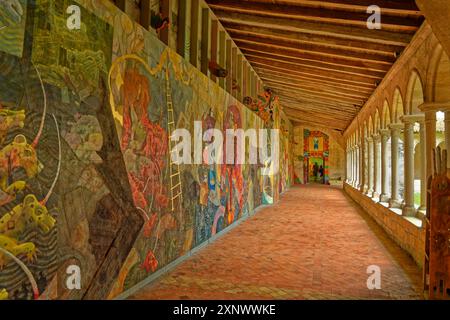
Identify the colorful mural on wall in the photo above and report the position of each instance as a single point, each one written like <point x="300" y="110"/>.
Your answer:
<point x="86" y="177"/>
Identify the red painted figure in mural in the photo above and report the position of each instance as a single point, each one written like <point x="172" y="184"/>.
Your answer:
<point x="136" y="97"/>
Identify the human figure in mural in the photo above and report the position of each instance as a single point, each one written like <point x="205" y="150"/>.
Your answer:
<point x="315" y="170"/>
<point x="316" y="143"/>
<point x="321" y="174"/>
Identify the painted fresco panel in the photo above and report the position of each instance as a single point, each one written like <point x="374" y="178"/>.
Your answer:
<point x="86" y="115"/>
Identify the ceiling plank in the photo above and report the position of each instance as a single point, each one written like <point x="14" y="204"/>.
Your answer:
<point x="317" y="64"/>
<point x="319" y="75"/>
<point x="294" y="34"/>
<point x="357" y="53"/>
<point x="269" y="74"/>
<point x="307" y="85"/>
<point x="318" y="71"/>
<point x="325" y="91"/>
<point x="319" y="95"/>
<point x="381" y="36"/>
<point x="321" y="81"/>
<point x="314" y="56"/>
<point x="355" y="18"/>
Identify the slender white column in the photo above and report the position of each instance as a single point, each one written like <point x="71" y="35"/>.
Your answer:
<point x="376" y="166"/>
<point x="346" y="165"/>
<point x="369" y="141"/>
<point x="423" y="166"/>
<point x="408" y="133"/>
<point x="355" y="171"/>
<point x="358" y="160"/>
<point x="384" y="134"/>
<point x="361" y="166"/>
<point x="395" y="136"/>
<point x="366" y="166"/>
<point x="351" y="165"/>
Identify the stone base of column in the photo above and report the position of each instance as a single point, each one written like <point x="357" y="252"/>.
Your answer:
<point x="369" y="192"/>
<point x="422" y="208"/>
<point x="409" y="211"/>
<point x="365" y="188"/>
<point x="396" y="204"/>
<point x="375" y="195"/>
<point x="384" y="198"/>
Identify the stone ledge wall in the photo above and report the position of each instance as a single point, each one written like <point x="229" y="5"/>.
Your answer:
<point x="407" y="235"/>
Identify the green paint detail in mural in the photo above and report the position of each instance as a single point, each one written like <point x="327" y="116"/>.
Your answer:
<point x="12" y="26"/>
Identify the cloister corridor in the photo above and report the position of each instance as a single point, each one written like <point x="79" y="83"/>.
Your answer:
<point x="316" y="243"/>
<point x="224" y="149"/>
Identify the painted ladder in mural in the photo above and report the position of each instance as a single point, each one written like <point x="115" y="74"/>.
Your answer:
<point x="176" y="189"/>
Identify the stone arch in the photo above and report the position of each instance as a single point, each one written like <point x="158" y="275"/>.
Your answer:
<point x="441" y="87"/>
<point x="377" y="122"/>
<point x="398" y="108"/>
<point x="415" y="93"/>
<point x="431" y="72"/>
<point x="386" y="115"/>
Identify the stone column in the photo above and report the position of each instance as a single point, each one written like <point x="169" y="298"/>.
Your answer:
<point x="358" y="155"/>
<point x="384" y="134"/>
<point x="376" y="165"/>
<point x="409" y="121"/>
<point x="355" y="176"/>
<point x="369" y="141"/>
<point x="430" y="135"/>
<point x="362" y="179"/>
<point x="351" y="165"/>
<point x="366" y="166"/>
<point x="423" y="166"/>
<point x="395" y="202"/>
<point x="346" y="165"/>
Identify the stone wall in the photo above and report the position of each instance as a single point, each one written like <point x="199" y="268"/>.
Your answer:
<point x="406" y="232"/>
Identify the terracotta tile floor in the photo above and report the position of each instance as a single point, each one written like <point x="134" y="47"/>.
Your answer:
<point x="315" y="244"/>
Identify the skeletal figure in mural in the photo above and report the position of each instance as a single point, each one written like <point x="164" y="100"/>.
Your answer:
<point x="11" y="12"/>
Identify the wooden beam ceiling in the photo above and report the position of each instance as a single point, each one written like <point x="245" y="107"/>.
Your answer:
<point x="319" y="56"/>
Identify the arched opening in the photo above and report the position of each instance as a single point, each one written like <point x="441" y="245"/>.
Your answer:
<point x="377" y="155"/>
<point x="366" y="157"/>
<point x="398" y="112"/>
<point x="415" y="98"/>
<point x="442" y="95"/>
<point x="386" y="120"/>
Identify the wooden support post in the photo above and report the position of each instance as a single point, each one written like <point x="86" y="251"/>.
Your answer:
<point x="145" y="14"/>
<point x="214" y="45"/>
<point x="253" y="82"/>
<point x="222" y="55"/>
<point x="235" y="79"/>
<point x="182" y="28"/>
<point x="244" y="78"/>
<point x="229" y="66"/>
<point x="240" y="78"/>
<point x="195" y="33"/>
<point x="120" y="4"/>
<point x="166" y="11"/>
<point x="206" y="44"/>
